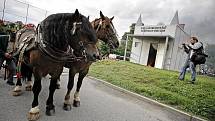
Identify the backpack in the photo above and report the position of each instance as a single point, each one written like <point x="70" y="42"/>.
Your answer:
<point x="199" y="57"/>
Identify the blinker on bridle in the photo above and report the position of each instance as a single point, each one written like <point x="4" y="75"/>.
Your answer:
<point x="75" y="27"/>
<point x="100" y="24"/>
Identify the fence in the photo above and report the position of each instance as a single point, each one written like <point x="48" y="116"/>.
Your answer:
<point x="13" y="10"/>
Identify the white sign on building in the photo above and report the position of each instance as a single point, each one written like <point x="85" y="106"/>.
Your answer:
<point x="153" y="29"/>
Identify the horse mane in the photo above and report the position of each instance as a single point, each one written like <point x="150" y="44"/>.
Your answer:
<point x="56" y="30"/>
<point x="89" y="30"/>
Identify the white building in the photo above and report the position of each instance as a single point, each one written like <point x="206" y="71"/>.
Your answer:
<point x="159" y="45"/>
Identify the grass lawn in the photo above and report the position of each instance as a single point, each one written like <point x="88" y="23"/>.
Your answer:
<point x="161" y="85"/>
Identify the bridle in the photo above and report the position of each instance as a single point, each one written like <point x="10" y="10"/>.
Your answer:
<point x="107" y="33"/>
<point x="99" y="26"/>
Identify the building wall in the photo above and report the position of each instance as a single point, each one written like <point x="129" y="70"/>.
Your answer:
<point x="170" y="30"/>
<point x="144" y="52"/>
<point x="140" y="53"/>
<point x="135" y="50"/>
<point x="169" y="51"/>
<point x="160" y="54"/>
<point x="173" y="58"/>
<point x="178" y="55"/>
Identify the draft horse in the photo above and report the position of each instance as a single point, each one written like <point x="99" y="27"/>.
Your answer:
<point x="106" y="32"/>
<point x="57" y="38"/>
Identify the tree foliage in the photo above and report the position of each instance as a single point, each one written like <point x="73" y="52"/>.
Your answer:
<point x="210" y="50"/>
<point x="121" y="49"/>
<point x="103" y="48"/>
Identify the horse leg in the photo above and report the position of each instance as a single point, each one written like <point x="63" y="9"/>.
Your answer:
<point x="58" y="84"/>
<point x="50" y="108"/>
<point x="82" y="74"/>
<point x="28" y="85"/>
<point x="33" y="114"/>
<point x="17" y="91"/>
<point x="27" y="74"/>
<point x="67" y="104"/>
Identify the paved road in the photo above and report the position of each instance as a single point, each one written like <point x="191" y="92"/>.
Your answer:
<point x="98" y="103"/>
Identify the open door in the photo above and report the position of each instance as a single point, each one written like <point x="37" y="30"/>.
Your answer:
<point x="152" y="54"/>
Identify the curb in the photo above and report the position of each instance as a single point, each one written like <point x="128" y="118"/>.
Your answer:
<point x="187" y="116"/>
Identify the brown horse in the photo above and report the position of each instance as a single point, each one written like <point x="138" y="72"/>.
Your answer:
<point x="106" y="32"/>
<point x="56" y="39"/>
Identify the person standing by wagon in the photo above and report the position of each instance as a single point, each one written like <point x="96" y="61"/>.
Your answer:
<point x="5" y="55"/>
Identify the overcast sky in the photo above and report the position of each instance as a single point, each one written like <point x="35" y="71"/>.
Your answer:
<point x="197" y="15"/>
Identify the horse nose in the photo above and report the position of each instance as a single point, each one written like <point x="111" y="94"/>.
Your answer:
<point x="99" y="57"/>
<point x="117" y="44"/>
<point x="96" y="56"/>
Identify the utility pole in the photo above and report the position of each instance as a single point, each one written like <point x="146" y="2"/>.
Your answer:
<point x="3" y="10"/>
<point x="46" y="13"/>
<point x="126" y="44"/>
<point x="26" y="19"/>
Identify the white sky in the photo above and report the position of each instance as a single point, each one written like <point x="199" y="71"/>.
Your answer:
<point x="197" y="15"/>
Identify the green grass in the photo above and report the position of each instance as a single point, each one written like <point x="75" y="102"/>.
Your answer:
<point x="161" y="85"/>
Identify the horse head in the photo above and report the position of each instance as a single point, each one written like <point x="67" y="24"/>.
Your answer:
<point x="83" y="30"/>
<point x="105" y="30"/>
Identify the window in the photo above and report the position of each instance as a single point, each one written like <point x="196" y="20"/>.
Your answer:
<point x="136" y="44"/>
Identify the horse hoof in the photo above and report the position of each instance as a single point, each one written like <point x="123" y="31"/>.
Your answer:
<point x="33" y="114"/>
<point x="67" y="107"/>
<point x="50" y="110"/>
<point x="28" y="88"/>
<point x="76" y="103"/>
<point x="17" y="91"/>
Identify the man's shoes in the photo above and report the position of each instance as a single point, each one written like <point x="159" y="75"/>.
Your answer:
<point x="191" y="82"/>
<point x="10" y="83"/>
<point x="181" y="79"/>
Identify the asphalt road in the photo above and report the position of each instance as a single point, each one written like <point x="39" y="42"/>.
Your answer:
<point x="98" y="103"/>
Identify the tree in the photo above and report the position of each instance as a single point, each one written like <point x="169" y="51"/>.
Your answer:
<point x="121" y="49"/>
<point x="104" y="49"/>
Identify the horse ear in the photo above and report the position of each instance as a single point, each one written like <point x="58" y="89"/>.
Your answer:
<point x="112" y="18"/>
<point x="77" y="14"/>
<point x="88" y="17"/>
<point x="101" y="15"/>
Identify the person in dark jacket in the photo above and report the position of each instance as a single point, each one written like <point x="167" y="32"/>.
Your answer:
<point x="190" y="49"/>
<point x="4" y="55"/>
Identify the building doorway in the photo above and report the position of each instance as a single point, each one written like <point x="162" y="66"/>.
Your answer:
<point x="152" y="54"/>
